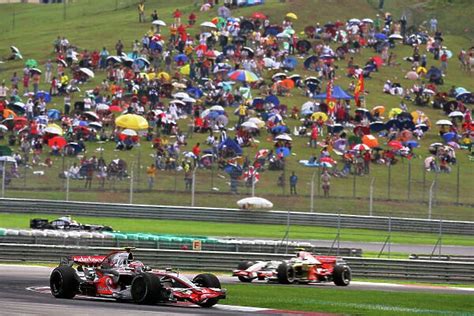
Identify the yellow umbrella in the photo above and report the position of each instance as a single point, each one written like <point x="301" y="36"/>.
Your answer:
<point x="291" y="15"/>
<point x="151" y="76"/>
<point x="317" y="115"/>
<point x="394" y="112"/>
<point x="131" y="121"/>
<point x="185" y="70"/>
<point x="144" y="75"/>
<point x="54" y="129"/>
<point x="378" y="108"/>
<point x="163" y="75"/>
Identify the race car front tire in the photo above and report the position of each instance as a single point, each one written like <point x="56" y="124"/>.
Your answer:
<point x="342" y="275"/>
<point x="285" y="273"/>
<point x="207" y="280"/>
<point x="63" y="282"/>
<point x="146" y="289"/>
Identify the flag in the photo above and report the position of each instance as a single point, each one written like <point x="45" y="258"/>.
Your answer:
<point x="359" y="88"/>
<point x="329" y="100"/>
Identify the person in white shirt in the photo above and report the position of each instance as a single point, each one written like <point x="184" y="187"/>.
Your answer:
<point x="3" y="90"/>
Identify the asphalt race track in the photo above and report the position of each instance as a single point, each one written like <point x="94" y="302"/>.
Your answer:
<point x="16" y="299"/>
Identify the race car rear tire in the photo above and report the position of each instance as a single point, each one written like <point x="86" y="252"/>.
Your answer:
<point x="146" y="289"/>
<point x="63" y="282"/>
<point x="207" y="280"/>
<point x="244" y="265"/>
<point x="342" y="275"/>
<point x="285" y="273"/>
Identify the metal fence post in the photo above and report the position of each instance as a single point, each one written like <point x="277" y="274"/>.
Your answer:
<point x="409" y="180"/>
<point x="389" y="184"/>
<point x="253" y="185"/>
<point x="67" y="186"/>
<point x="424" y="184"/>
<point x="371" y="197"/>
<point x="3" y="178"/>
<point x="131" y="186"/>
<point x="457" y="184"/>
<point x="354" y="185"/>
<point x="312" y="193"/>
<point x="193" y="186"/>
<point x="430" y="201"/>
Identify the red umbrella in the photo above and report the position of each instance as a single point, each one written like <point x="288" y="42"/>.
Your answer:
<point x="378" y="60"/>
<point x="57" y="141"/>
<point x="328" y="160"/>
<point x="115" y="108"/>
<point x="361" y="147"/>
<point x="395" y="144"/>
<point x="259" y="16"/>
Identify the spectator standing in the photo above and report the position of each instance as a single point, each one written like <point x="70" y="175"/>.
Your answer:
<point x="326" y="183"/>
<point x="154" y="16"/>
<point x="141" y="12"/>
<point x="444" y="63"/>
<point x="151" y="173"/>
<point x="48" y="67"/>
<point x="89" y="176"/>
<point x="433" y="25"/>
<point x="293" y="182"/>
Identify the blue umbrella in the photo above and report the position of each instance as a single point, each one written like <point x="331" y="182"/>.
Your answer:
<point x="54" y="114"/>
<point x="380" y="36"/>
<point x="181" y="58"/>
<point x="42" y="119"/>
<point x="155" y="46"/>
<point x="280" y="129"/>
<point x="272" y="99"/>
<point x="377" y="126"/>
<point x="408" y="125"/>
<point x="196" y="92"/>
<point x="283" y="151"/>
<point x="290" y="62"/>
<point x="411" y="144"/>
<point x="393" y="123"/>
<point x="272" y="30"/>
<point x="312" y="59"/>
<point x="45" y="95"/>
<point x="231" y="144"/>
<point x="449" y="136"/>
<point x="233" y="170"/>
<point x="257" y="101"/>
<point x="213" y="115"/>
<point x="335" y="128"/>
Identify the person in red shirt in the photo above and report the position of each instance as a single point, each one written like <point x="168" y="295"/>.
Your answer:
<point x="313" y="142"/>
<point x="197" y="150"/>
<point x="177" y="16"/>
<point x="192" y="18"/>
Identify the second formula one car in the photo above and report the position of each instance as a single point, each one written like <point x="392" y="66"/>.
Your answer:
<point x="118" y="275"/>
<point x="304" y="268"/>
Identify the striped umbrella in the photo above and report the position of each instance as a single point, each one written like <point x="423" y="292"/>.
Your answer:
<point x="243" y="76"/>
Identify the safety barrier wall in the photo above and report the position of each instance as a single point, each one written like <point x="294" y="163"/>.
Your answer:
<point x="420" y="270"/>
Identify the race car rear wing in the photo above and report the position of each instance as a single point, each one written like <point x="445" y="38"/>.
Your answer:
<point x="88" y="261"/>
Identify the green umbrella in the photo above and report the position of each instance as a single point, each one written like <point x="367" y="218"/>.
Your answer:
<point x="5" y="151"/>
<point x="31" y="63"/>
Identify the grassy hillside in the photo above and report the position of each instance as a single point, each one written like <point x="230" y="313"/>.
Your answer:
<point x="94" y="24"/>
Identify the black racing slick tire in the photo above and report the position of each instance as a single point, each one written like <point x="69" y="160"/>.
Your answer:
<point x="342" y="275"/>
<point x="207" y="280"/>
<point x="63" y="282"/>
<point x="285" y="273"/>
<point x="244" y="265"/>
<point x="146" y="289"/>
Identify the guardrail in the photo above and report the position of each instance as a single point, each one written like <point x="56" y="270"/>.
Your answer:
<point x="441" y="257"/>
<point x="236" y="246"/>
<point x="437" y="271"/>
<point x="235" y="216"/>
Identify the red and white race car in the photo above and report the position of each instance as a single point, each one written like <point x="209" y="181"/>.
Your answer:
<point x="118" y="275"/>
<point x="304" y="268"/>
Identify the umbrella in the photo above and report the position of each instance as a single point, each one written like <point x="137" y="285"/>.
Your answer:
<point x="287" y="84"/>
<point x="367" y="20"/>
<point x="254" y="202"/>
<point x="370" y="141"/>
<point x="54" y="114"/>
<point x="96" y="125"/>
<point x="131" y="121"/>
<point x="335" y="128"/>
<point x="159" y="23"/>
<point x="31" y="63"/>
<point x="379" y="108"/>
<point x="319" y="115"/>
<point x="115" y="108"/>
<point x="412" y="75"/>
<point x="310" y="60"/>
<point x="411" y="144"/>
<point x="57" y="141"/>
<point x="307" y="108"/>
<point x="35" y="70"/>
<point x="208" y="24"/>
<point x="180" y="95"/>
<point x="43" y="95"/>
<point x="243" y="76"/>
<point x="53" y="129"/>
<point x="259" y="16"/>
<point x="185" y="70"/>
<point x="283" y="151"/>
<point x="456" y="114"/>
<point x="181" y="58"/>
<point x="283" y="35"/>
<point x="285" y="137"/>
<point x="64" y="63"/>
<point x="91" y="115"/>
<point x="179" y="102"/>
<point x="279" y="76"/>
<point x="257" y="121"/>
<point x="396" y="37"/>
<point x="17" y="107"/>
<point x="114" y="59"/>
<point x="262" y="153"/>
<point x="129" y="132"/>
<point x="102" y="107"/>
<point x="361" y="147"/>
<point x="291" y="15"/>
<point x="394" y="112"/>
<point x="354" y="21"/>
<point x="395" y="144"/>
<point x="272" y="99"/>
<point x="15" y="50"/>
<point x="163" y="75"/>
<point x="377" y="126"/>
<point x="444" y="122"/>
<point x="380" y="36"/>
<point x="87" y="71"/>
<point x="3" y="128"/>
<point x="449" y="136"/>
<point x="189" y="100"/>
<point x="423" y="127"/>
<point x="249" y="125"/>
<point x="217" y="108"/>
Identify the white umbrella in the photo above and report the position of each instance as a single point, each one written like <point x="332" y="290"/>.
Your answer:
<point x="189" y="100"/>
<point x="97" y="125"/>
<point x="181" y="95"/>
<point x="249" y="125"/>
<point x="279" y="75"/>
<point x="209" y="24"/>
<point x="367" y="20"/>
<point x="102" y="107"/>
<point x="3" y="128"/>
<point x="159" y="23"/>
<point x="217" y="108"/>
<point x="283" y="35"/>
<point x="88" y="72"/>
<point x="444" y="122"/>
<point x="284" y="137"/>
<point x="15" y="50"/>
<point x="428" y="91"/>
<point x="396" y="37"/>
<point x="257" y="121"/>
<point x="361" y="147"/>
<point x="53" y="130"/>
<point x="92" y="115"/>
<point x="354" y="21"/>
<point x="129" y="132"/>
<point x="36" y="70"/>
<point x="114" y="59"/>
<point x="205" y="113"/>
<point x="456" y="114"/>
<point x="178" y="102"/>
<point x="254" y="202"/>
<point x="11" y="159"/>
<point x="144" y="60"/>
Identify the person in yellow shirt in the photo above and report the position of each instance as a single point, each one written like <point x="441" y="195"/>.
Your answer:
<point x="141" y="12"/>
<point x="151" y="173"/>
<point x="242" y="113"/>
